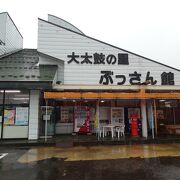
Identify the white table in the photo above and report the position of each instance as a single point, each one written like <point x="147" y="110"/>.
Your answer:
<point x="109" y="126"/>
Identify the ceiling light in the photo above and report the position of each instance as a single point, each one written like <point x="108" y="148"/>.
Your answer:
<point x="21" y="98"/>
<point x="12" y="91"/>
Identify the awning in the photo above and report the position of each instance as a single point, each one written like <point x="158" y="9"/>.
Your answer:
<point x="109" y="95"/>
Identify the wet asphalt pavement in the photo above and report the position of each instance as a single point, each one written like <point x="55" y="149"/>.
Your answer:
<point x="128" y="162"/>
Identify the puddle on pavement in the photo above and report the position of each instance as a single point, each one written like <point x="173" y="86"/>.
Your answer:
<point x="96" y="162"/>
<point x="101" y="152"/>
<point x="131" y="168"/>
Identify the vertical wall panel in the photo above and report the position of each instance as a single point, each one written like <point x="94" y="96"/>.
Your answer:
<point x="9" y="35"/>
<point x="144" y="118"/>
<point x="3" y="18"/>
<point x="34" y="114"/>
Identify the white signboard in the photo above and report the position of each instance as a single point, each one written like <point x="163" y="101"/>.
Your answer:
<point x="47" y="117"/>
<point x="21" y="116"/>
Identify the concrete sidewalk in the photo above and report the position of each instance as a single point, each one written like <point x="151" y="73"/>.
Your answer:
<point x="25" y="142"/>
<point x="88" y="140"/>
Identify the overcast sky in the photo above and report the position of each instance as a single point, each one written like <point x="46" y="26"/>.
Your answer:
<point x="150" y="28"/>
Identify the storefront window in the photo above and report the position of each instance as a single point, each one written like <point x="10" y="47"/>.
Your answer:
<point x="166" y="111"/>
<point x="1" y="110"/>
<point x="67" y="114"/>
<point x="16" y="114"/>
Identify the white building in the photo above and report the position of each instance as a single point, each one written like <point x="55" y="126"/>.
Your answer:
<point x="11" y="39"/>
<point x="78" y="83"/>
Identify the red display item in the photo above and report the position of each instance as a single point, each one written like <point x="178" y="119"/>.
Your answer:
<point x="82" y="119"/>
<point x="85" y="127"/>
<point x="134" y="125"/>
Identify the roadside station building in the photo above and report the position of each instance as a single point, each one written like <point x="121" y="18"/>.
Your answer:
<point x="76" y="83"/>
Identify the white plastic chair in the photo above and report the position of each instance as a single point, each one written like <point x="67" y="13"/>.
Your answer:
<point x="99" y="132"/>
<point x="120" y="130"/>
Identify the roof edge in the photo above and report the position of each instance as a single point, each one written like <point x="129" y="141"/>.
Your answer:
<point x="66" y="22"/>
<point x="12" y="22"/>
<point x="43" y="54"/>
<point x="10" y="53"/>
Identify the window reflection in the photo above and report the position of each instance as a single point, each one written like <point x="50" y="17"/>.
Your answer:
<point x="1" y="110"/>
<point x="16" y="97"/>
<point x="16" y="113"/>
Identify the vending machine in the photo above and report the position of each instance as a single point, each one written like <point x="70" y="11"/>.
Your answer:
<point x="82" y="119"/>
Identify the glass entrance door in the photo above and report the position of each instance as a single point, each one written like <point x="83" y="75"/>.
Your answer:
<point x="49" y="117"/>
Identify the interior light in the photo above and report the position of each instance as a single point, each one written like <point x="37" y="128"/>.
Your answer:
<point x="102" y="101"/>
<point x="21" y="98"/>
<point x="11" y="91"/>
<point x="162" y="100"/>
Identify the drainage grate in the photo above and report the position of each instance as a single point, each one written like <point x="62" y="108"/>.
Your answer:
<point x="3" y="155"/>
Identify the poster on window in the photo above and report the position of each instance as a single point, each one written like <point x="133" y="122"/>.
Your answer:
<point x="67" y="114"/>
<point x="21" y="116"/>
<point x="160" y="114"/>
<point x="117" y="115"/>
<point x="9" y="116"/>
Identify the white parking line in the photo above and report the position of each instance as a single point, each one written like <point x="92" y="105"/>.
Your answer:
<point x="3" y="155"/>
